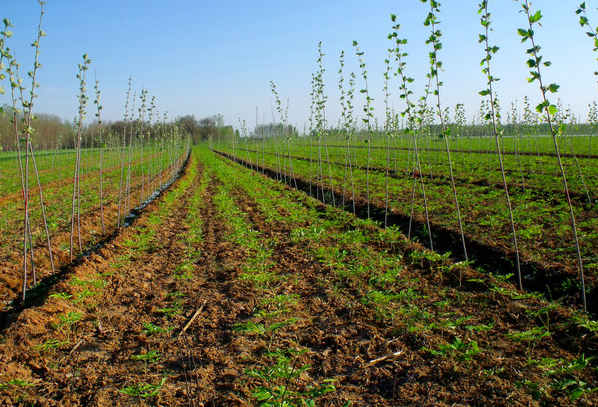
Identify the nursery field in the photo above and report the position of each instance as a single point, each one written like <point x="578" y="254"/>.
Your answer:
<point x="234" y="289"/>
<point x="123" y="188"/>
<point x="381" y="181"/>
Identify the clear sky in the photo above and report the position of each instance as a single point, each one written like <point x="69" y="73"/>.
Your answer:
<point x="208" y="57"/>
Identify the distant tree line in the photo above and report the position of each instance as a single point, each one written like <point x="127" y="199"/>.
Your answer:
<point x="274" y="129"/>
<point x="208" y="128"/>
<point x="50" y="131"/>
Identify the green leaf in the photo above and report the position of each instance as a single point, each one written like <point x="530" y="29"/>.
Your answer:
<point x="552" y="110"/>
<point x="536" y="17"/>
<point x="553" y="87"/>
<point x="577" y="393"/>
<point x="484" y="92"/>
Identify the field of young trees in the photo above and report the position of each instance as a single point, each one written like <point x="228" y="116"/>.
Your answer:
<point x="410" y="259"/>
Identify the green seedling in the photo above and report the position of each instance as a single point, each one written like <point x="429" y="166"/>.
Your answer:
<point x="480" y="327"/>
<point x="86" y="293"/>
<point x="95" y="283"/>
<point x="281" y="301"/>
<point x="144" y="390"/>
<point x="50" y="344"/>
<point x="534" y="389"/>
<point x="531" y="337"/>
<point x="458" y="349"/>
<point x="184" y="271"/>
<point x="387" y="278"/>
<point x="575" y="387"/>
<point x="61" y="296"/>
<point x="142" y="241"/>
<point x="18" y="387"/>
<point x="175" y="309"/>
<point x="585" y="322"/>
<point x="493" y="371"/>
<point x="19" y="383"/>
<point x="543" y="314"/>
<point x="149" y="328"/>
<point x="68" y="320"/>
<point x="150" y="357"/>
<point x="279" y="382"/>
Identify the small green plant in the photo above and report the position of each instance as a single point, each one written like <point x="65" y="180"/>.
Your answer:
<point x="81" y="296"/>
<point x="282" y="300"/>
<point x="531" y="337"/>
<point x="144" y="390"/>
<point x="585" y="322"/>
<point x="174" y="309"/>
<point x="149" y="328"/>
<point x="463" y="351"/>
<point x="533" y="388"/>
<point x="280" y="382"/>
<point x="141" y="242"/>
<point x="176" y="294"/>
<point x="62" y="296"/>
<point x="150" y="357"/>
<point x="50" y="344"/>
<point x="493" y="371"/>
<point x="15" y="383"/>
<point x="68" y="321"/>
<point x="18" y="387"/>
<point x="94" y="283"/>
<point x="543" y="314"/>
<point x="575" y="387"/>
<point x="267" y="328"/>
<point x="184" y="271"/>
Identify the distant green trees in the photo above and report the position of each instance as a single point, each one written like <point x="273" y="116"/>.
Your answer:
<point x="211" y="127"/>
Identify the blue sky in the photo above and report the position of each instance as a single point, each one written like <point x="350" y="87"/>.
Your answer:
<point x="208" y="57"/>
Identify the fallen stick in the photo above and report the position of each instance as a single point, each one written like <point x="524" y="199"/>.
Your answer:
<point x="193" y="318"/>
<point x="76" y="346"/>
<point x="382" y="359"/>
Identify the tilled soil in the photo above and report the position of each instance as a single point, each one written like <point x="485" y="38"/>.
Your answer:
<point x="153" y="318"/>
<point x="11" y="266"/>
